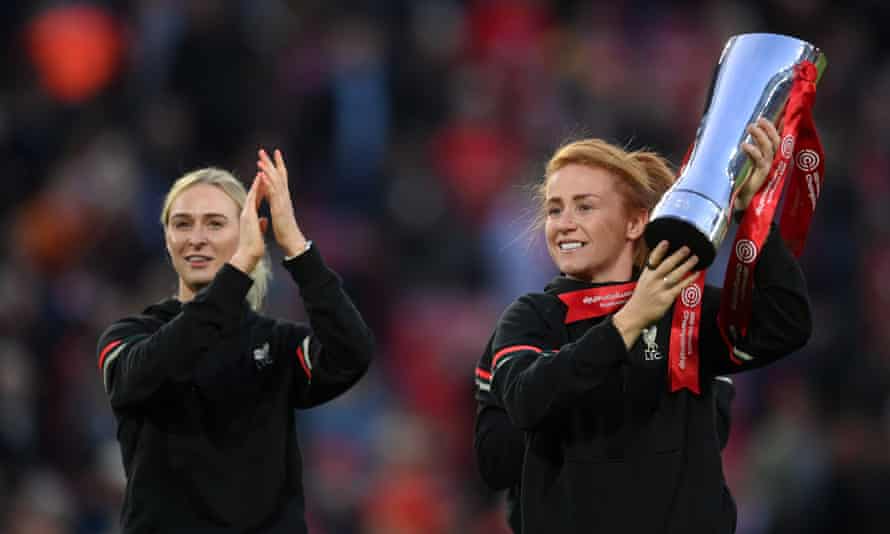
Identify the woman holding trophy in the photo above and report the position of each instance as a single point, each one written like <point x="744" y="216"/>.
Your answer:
<point x="584" y="368"/>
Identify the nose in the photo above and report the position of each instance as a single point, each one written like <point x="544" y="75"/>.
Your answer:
<point x="565" y="222"/>
<point x="197" y="237"/>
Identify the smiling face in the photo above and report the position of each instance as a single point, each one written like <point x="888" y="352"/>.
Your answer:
<point x="590" y="233"/>
<point x="201" y="233"/>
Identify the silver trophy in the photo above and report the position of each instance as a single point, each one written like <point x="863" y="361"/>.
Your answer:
<point x="753" y="79"/>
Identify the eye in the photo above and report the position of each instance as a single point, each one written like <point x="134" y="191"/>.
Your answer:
<point x="181" y="225"/>
<point x="215" y="224"/>
<point x="553" y="211"/>
<point x="584" y="207"/>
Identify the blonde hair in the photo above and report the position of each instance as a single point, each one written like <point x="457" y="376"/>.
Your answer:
<point x="232" y="187"/>
<point x="643" y="177"/>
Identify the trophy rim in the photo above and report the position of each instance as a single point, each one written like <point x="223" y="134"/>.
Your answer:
<point x="820" y="60"/>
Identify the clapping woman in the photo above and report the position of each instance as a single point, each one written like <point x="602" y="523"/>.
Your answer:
<point x="204" y="386"/>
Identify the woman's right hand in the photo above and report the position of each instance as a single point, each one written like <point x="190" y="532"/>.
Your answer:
<point x="281" y="207"/>
<point x="251" y="243"/>
<point x="660" y="283"/>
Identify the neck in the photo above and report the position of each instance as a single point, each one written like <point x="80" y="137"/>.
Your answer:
<point x="186" y="293"/>
<point x="619" y="270"/>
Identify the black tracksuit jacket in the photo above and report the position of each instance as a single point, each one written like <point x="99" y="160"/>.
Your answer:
<point x="500" y="447"/>
<point x="607" y="447"/>
<point x="204" y="396"/>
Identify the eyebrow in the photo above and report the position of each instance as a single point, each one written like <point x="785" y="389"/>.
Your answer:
<point x="180" y="215"/>
<point x="577" y="197"/>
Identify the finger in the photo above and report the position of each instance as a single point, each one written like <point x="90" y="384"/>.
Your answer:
<point x="688" y="281"/>
<point x="768" y="146"/>
<point x="251" y="192"/>
<point x="773" y="133"/>
<point x="265" y="164"/>
<point x="269" y="184"/>
<point x="684" y="268"/>
<point x="255" y="194"/>
<point x="762" y="140"/>
<point x="273" y="179"/>
<point x="264" y="157"/>
<point x="261" y="192"/>
<point x="754" y="153"/>
<point x="279" y="162"/>
<point x="657" y="254"/>
<point x="266" y="167"/>
<point x="671" y="262"/>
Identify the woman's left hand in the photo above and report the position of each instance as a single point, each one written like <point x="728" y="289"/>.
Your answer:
<point x="766" y="142"/>
<point x="281" y="207"/>
<point x="252" y="227"/>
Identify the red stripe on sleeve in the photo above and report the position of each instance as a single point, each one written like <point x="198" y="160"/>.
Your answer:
<point x="303" y="363"/>
<point x="733" y="358"/>
<point x="108" y="348"/>
<point x="509" y="350"/>
<point x="482" y="373"/>
<point x="729" y="345"/>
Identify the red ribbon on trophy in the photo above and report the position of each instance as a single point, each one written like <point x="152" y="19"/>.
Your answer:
<point x="683" y="357"/>
<point x="683" y="353"/>
<point x="799" y="162"/>
<point x="757" y="75"/>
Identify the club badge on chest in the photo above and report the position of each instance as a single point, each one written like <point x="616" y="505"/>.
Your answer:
<point x="651" y="352"/>
<point x="261" y="356"/>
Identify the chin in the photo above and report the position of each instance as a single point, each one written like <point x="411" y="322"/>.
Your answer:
<point x="200" y="280"/>
<point x="576" y="271"/>
<point x="572" y="268"/>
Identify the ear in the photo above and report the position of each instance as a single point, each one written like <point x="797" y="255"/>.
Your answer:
<point x="636" y="224"/>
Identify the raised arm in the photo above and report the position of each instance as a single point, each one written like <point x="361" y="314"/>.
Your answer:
<point x="338" y="349"/>
<point x="136" y="359"/>
<point x="781" y="321"/>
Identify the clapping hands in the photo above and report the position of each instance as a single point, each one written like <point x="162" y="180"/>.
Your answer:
<point x="273" y="176"/>
<point x="271" y="184"/>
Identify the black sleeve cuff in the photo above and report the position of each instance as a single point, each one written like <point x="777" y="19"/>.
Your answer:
<point x="309" y="270"/>
<point x="227" y="291"/>
<point x="230" y="283"/>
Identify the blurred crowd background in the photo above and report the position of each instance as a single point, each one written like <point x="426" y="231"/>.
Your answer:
<point x="412" y="130"/>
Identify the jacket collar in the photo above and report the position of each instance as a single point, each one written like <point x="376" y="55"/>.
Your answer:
<point x="164" y="310"/>
<point x="563" y="284"/>
<point x="169" y="308"/>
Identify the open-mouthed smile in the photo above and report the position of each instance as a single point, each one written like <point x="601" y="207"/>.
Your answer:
<point x="198" y="260"/>
<point x="570" y="246"/>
